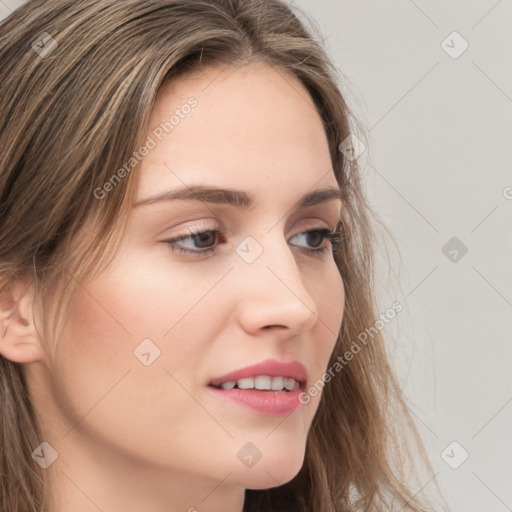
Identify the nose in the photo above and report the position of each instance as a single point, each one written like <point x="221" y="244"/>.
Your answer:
<point x="271" y="292"/>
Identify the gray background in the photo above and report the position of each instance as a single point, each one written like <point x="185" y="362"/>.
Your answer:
<point x="438" y="132"/>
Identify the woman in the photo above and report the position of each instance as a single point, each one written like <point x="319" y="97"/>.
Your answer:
<point x="185" y="268"/>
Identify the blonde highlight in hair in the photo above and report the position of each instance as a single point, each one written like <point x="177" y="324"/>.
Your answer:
<point x="70" y="120"/>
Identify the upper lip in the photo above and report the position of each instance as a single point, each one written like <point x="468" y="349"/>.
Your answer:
<point x="269" y="367"/>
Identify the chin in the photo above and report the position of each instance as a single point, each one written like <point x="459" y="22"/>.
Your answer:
<point x="274" y="471"/>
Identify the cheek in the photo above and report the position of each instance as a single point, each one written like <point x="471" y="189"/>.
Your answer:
<point x="118" y="323"/>
<point x="330" y="298"/>
<point x="94" y="351"/>
<point x="128" y="352"/>
<point x="329" y="294"/>
<point x="105" y="392"/>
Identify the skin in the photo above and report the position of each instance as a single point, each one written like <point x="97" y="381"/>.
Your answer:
<point x="133" y="437"/>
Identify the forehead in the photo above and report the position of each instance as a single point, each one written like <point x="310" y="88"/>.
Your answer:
<point x="251" y="127"/>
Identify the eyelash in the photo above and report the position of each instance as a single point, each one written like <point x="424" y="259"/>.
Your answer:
<point x="334" y="238"/>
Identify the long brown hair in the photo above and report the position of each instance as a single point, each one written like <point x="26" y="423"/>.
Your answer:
<point x="73" y="110"/>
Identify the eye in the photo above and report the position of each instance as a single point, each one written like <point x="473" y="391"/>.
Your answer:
<point x="316" y="237"/>
<point x="203" y="242"/>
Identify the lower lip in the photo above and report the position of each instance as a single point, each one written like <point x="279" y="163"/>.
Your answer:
<point x="269" y="403"/>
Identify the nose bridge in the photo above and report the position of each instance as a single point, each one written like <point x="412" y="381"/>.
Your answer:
<point x="271" y="285"/>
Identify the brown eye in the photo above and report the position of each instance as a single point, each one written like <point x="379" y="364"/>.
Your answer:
<point x="315" y="238"/>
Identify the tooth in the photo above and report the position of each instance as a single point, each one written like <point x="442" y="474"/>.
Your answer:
<point x="289" y="384"/>
<point x="228" y="385"/>
<point x="263" y="382"/>
<point x="247" y="383"/>
<point x="277" y="383"/>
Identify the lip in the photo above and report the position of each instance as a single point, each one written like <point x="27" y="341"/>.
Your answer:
<point x="270" y="367"/>
<point x="266" y="402"/>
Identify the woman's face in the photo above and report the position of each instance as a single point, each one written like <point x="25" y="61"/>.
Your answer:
<point x="145" y="338"/>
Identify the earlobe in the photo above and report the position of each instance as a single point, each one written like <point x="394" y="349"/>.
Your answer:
<point x="19" y="339"/>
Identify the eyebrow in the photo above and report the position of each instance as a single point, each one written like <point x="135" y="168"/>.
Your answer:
<point x="237" y="198"/>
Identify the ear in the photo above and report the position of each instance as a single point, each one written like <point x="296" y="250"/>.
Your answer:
<point x="19" y="339"/>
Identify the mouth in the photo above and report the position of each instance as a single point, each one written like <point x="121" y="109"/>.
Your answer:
<point x="271" y="388"/>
